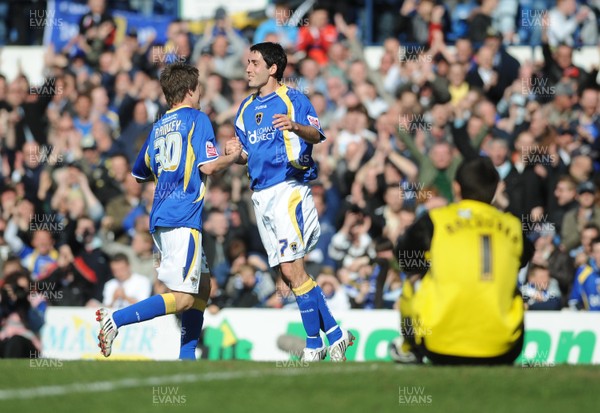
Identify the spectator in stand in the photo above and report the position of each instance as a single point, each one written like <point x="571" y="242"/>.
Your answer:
<point x="100" y="109"/>
<point x="281" y="24"/>
<point x="121" y="207"/>
<point x="69" y="281"/>
<point x="65" y="140"/>
<point x="18" y="229"/>
<point x="74" y="187"/>
<point x="575" y="220"/>
<point x="89" y="258"/>
<point x="583" y="252"/>
<point x="570" y="26"/>
<point x="559" y="111"/>
<point x="316" y="38"/>
<point x="458" y="86"/>
<point x="250" y="287"/>
<point x="481" y="20"/>
<point x="484" y="76"/>
<point x="29" y="164"/>
<point x="216" y="235"/>
<point x="420" y="20"/>
<point x="26" y="119"/>
<point x="504" y="63"/>
<point x="352" y="241"/>
<point x="565" y="194"/>
<point x="586" y="119"/>
<point x="42" y="253"/>
<point x="558" y="64"/>
<point x="335" y="294"/>
<point x="326" y="203"/>
<point x="131" y="140"/>
<point x="83" y="115"/>
<point x="226" y="50"/>
<point x="97" y="31"/>
<point x="21" y="318"/>
<point x="310" y="80"/>
<point x="523" y="184"/>
<point x="126" y="287"/>
<point x="585" y="295"/>
<point x="559" y="263"/>
<point x="541" y="291"/>
<point x="437" y="169"/>
<point x="218" y="299"/>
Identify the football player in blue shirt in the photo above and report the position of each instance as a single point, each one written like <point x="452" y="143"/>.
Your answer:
<point x="277" y="127"/>
<point x="178" y="155"/>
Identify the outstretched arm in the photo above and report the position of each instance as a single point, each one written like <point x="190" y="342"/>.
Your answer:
<point x="221" y="163"/>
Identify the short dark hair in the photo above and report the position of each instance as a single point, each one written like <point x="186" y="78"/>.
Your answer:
<point x="535" y="267"/>
<point x="119" y="257"/>
<point x="383" y="244"/>
<point x="591" y="225"/>
<point x="176" y="80"/>
<point x="273" y="54"/>
<point x="595" y="241"/>
<point x="478" y="179"/>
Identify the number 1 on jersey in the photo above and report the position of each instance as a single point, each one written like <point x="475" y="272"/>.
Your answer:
<point x="486" y="258"/>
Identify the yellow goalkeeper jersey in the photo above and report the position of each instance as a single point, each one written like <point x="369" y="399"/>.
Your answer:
<point x="468" y="304"/>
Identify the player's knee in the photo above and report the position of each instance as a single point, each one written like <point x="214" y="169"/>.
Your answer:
<point x="293" y="273"/>
<point x="184" y="301"/>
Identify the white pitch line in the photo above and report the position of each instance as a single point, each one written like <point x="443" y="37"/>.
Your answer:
<point x="128" y="383"/>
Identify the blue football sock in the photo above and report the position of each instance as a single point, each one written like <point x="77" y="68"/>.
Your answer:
<point x="328" y="323"/>
<point x="191" y="327"/>
<point x="147" y="309"/>
<point x="306" y="297"/>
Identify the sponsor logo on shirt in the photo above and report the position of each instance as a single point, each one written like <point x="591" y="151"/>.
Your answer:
<point x="261" y="134"/>
<point x="211" y="151"/>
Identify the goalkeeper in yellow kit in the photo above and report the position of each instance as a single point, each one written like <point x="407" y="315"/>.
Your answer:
<point x="460" y="303"/>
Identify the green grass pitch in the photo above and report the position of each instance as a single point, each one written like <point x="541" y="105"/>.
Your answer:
<point x="237" y="386"/>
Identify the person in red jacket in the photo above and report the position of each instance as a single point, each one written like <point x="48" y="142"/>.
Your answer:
<point x="316" y="38"/>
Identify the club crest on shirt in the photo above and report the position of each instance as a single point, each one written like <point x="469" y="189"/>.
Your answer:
<point x="258" y="117"/>
<point x="314" y="121"/>
<point x="211" y="151"/>
<point x="294" y="247"/>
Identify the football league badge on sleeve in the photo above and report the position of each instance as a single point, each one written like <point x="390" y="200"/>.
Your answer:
<point x="211" y="151"/>
<point x="314" y="121"/>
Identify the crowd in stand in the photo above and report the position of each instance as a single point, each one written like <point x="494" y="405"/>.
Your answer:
<point x="74" y="222"/>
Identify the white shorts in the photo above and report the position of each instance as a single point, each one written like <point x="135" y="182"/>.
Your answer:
<point x="182" y="260"/>
<point x="287" y="221"/>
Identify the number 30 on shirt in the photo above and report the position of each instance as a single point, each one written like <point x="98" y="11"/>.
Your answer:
<point x="168" y="152"/>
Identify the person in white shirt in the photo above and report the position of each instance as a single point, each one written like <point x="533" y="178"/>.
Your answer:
<point x="564" y="20"/>
<point x="126" y="288"/>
